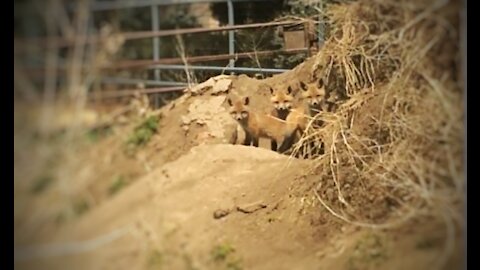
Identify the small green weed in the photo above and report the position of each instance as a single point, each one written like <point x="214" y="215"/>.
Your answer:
<point x="370" y="250"/>
<point x="117" y="184"/>
<point x="80" y="207"/>
<point x="155" y="260"/>
<point x="220" y="252"/>
<point x="94" y="135"/>
<point x="224" y="254"/>
<point x="234" y="265"/>
<point x="41" y="184"/>
<point x="428" y="243"/>
<point x="142" y="133"/>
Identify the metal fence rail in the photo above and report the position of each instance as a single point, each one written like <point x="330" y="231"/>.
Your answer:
<point x="131" y="92"/>
<point x="222" y="69"/>
<point x="151" y="64"/>
<point x="195" y="59"/>
<point x="120" y="4"/>
<point x="156" y="63"/>
<point x="91" y="39"/>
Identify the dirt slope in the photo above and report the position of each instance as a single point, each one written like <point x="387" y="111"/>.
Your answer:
<point x="166" y="221"/>
<point x="178" y="200"/>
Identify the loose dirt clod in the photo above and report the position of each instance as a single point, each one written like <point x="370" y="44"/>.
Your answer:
<point x="220" y="213"/>
<point x="250" y="208"/>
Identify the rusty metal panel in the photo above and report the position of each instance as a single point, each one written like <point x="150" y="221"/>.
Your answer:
<point x="294" y="39"/>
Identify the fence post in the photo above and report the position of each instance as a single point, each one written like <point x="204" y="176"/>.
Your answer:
<point x="231" y="40"/>
<point x="156" y="46"/>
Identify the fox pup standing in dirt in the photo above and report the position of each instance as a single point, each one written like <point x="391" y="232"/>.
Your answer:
<point x="312" y="97"/>
<point x="257" y="125"/>
<point x="312" y="101"/>
<point x="282" y="104"/>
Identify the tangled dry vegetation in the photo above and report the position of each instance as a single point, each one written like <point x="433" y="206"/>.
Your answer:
<point x="394" y="147"/>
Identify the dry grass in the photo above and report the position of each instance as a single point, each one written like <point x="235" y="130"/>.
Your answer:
<point x="398" y="138"/>
<point x="191" y="79"/>
<point x="54" y="148"/>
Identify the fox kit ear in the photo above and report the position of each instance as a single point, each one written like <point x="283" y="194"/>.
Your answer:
<point x="289" y="90"/>
<point x="271" y="90"/>
<point x="303" y="86"/>
<point x="229" y="102"/>
<point x="320" y="83"/>
<point x="246" y="100"/>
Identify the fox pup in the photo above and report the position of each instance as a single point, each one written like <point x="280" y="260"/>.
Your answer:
<point x="282" y="104"/>
<point x="333" y="100"/>
<point x="313" y="100"/>
<point x="314" y="97"/>
<point x="257" y="125"/>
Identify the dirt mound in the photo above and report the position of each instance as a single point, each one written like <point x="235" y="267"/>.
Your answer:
<point x="170" y="219"/>
<point x="185" y="194"/>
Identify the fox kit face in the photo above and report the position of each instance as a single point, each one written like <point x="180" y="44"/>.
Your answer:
<point x="239" y="109"/>
<point x="313" y="94"/>
<point x="282" y="100"/>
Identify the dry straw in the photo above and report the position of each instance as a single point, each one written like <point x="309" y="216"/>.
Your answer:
<point x="396" y="143"/>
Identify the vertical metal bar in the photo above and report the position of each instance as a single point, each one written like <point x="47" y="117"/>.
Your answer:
<point x="231" y="40"/>
<point x="156" y="40"/>
<point x="92" y="48"/>
<point x="156" y="100"/>
<point x="321" y="28"/>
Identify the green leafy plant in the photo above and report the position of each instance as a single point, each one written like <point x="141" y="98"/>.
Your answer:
<point x="117" y="184"/>
<point x="41" y="184"/>
<point x="94" y="135"/>
<point x="143" y="132"/>
<point x="224" y="254"/>
<point x="155" y="260"/>
<point x="221" y="252"/>
<point x="80" y="207"/>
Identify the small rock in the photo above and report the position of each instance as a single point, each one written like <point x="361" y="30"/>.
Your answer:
<point x="186" y="120"/>
<point x="220" y="213"/>
<point x="221" y="86"/>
